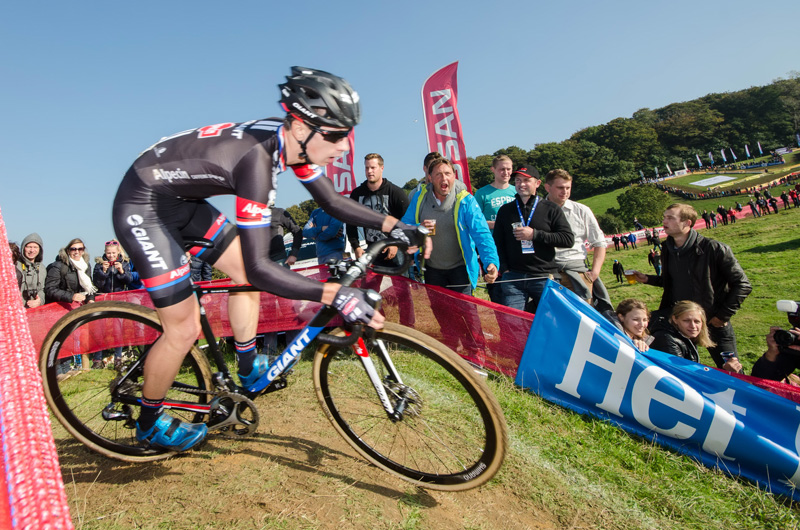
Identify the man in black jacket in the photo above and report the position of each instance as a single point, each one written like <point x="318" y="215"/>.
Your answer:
<point x="378" y="194"/>
<point x="282" y="222"/>
<point x="526" y="233"/>
<point x="702" y="270"/>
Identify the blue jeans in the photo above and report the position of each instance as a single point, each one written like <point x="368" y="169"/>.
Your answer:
<point x="523" y="293"/>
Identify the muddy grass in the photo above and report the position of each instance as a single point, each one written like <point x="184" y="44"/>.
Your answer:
<point x="295" y="472"/>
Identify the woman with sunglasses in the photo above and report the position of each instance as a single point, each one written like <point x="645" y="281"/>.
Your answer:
<point x="69" y="276"/>
<point x="69" y="280"/>
<point x="161" y="202"/>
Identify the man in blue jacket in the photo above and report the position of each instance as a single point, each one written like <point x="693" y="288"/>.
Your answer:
<point x="457" y="227"/>
<point x="328" y="233"/>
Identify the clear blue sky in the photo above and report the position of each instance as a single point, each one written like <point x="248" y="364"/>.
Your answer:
<point x="87" y="85"/>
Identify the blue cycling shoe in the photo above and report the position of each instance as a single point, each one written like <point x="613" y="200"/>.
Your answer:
<point x="260" y="366"/>
<point x="172" y="434"/>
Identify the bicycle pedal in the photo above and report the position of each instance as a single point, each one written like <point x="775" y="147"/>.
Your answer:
<point x="110" y="413"/>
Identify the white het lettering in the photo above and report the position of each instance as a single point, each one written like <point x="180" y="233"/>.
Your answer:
<point x="796" y="477"/>
<point x="156" y="260"/>
<point x="723" y="423"/>
<point x="644" y="392"/>
<point x="620" y="369"/>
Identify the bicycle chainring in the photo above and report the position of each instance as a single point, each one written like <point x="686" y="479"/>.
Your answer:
<point x="233" y="415"/>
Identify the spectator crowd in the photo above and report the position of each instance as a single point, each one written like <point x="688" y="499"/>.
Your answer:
<point x="511" y="236"/>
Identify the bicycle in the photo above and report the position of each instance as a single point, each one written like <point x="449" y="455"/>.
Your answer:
<point x="402" y="400"/>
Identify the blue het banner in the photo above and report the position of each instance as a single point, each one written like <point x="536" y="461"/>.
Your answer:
<point x="576" y="358"/>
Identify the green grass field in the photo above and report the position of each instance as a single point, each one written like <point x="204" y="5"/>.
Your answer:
<point x="572" y="463"/>
<point x="578" y="465"/>
<point x="768" y="249"/>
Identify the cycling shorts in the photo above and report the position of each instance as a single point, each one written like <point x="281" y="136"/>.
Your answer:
<point x="153" y="230"/>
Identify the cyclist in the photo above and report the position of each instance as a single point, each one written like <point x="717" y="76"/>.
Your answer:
<point x="161" y="202"/>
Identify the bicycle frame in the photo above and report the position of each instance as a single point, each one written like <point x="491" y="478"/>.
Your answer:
<point x="293" y="349"/>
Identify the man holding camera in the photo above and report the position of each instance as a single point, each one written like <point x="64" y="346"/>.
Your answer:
<point x="32" y="270"/>
<point x="782" y="357"/>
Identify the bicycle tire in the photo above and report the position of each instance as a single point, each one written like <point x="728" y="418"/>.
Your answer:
<point x="453" y="434"/>
<point x="77" y="399"/>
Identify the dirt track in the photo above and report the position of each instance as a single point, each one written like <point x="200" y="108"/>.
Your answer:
<point x="294" y="473"/>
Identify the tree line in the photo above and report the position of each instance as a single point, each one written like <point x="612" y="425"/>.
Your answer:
<point x="608" y="156"/>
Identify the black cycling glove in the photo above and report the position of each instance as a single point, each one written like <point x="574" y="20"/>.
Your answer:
<point x="411" y="235"/>
<point x="353" y="305"/>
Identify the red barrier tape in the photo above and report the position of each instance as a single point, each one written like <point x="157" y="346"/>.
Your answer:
<point x="482" y="332"/>
<point x="33" y="494"/>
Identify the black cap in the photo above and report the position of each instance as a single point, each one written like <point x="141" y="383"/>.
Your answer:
<point x="527" y="171"/>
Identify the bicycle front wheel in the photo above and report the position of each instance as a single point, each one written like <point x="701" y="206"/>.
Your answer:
<point x="99" y="406"/>
<point x="450" y="433"/>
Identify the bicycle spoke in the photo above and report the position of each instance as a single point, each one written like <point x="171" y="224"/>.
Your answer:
<point x="444" y="432"/>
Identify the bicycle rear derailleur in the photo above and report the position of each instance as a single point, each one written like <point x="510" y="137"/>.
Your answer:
<point x="233" y="415"/>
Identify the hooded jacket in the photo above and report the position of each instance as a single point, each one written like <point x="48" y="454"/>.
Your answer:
<point x="33" y="272"/>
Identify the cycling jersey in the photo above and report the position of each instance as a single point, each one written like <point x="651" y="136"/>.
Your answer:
<point x="161" y="203"/>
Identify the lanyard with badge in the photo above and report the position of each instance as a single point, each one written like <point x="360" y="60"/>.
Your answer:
<point x="527" y="245"/>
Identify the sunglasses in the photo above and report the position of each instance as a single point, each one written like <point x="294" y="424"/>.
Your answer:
<point x="330" y="136"/>
<point x="112" y="242"/>
<point x="76" y="249"/>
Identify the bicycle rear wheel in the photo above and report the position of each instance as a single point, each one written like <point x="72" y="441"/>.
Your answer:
<point x="451" y="434"/>
<point x="98" y="407"/>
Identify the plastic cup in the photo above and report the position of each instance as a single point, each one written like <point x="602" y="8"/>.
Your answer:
<point x="431" y="226"/>
<point x="630" y="275"/>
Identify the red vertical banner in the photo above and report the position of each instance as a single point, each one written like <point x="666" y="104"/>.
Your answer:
<point x="340" y="171"/>
<point x="442" y="124"/>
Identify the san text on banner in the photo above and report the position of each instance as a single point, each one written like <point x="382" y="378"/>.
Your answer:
<point x="442" y="123"/>
<point x="340" y="171"/>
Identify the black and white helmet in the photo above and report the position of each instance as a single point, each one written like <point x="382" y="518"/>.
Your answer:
<point x="320" y="98"/>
